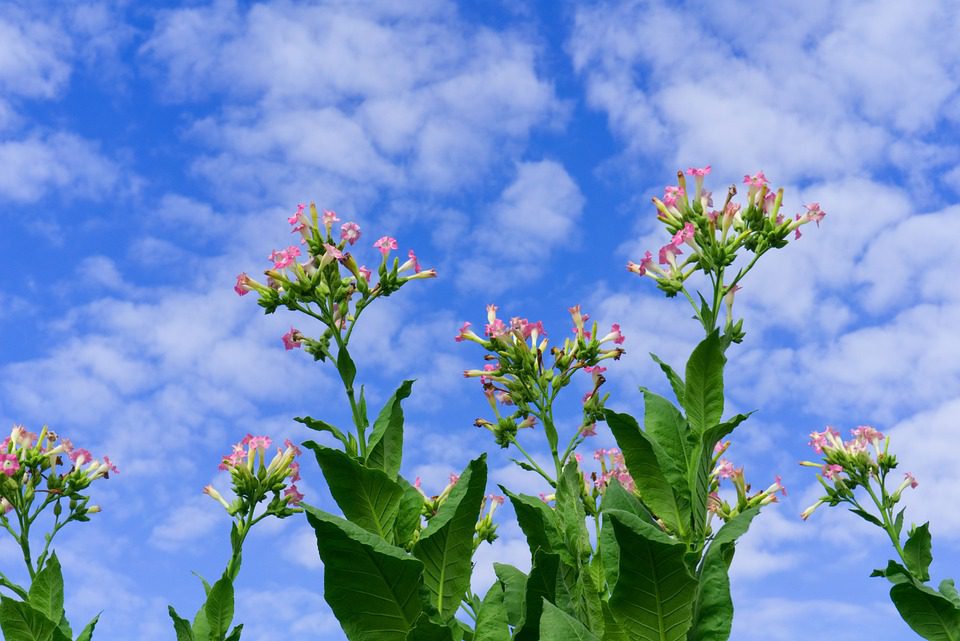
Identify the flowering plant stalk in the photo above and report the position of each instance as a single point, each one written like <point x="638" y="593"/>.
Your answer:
<point x="865" y="461"/>
<point x="254" y="482"/>
<point x="658" y="569"/>
<point x="32" y="480"/>
<point x="397" y="565"/>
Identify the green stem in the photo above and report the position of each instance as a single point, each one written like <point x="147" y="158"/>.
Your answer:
<point x="887" y="523"/>
<point x="530" y="459"/>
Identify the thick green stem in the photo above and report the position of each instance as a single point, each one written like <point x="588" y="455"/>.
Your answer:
<point x="533" y="462"/>
<point x="887" y="522"/>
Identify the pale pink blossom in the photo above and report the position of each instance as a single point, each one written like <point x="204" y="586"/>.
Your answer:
<point x="259" y="442"/>
<point x="464" y="333"/>
<point x="615" y="335"/>
<point x="366" y="273"/>
<point x="909" y="478"/>
<point x="9" y="464"/>
<point x="110" y="466"/>
<point x="385" y="244"/>
<point x="698" y="173"/>
<point x="589" y="430"/>
<point x="296" y="216"/>
<point x="830" y="471"/>
<point x="328" y="218"/>
<point x="292" y="339"/>
<point x="645" y="264"/>
<point x="80" y="456"/>
<point x="755" y="181"/>
<point x="243" y="284"/>
<point x="411" y="262"/>
<point x="671" y="195"/>
<point x="332" y="251"/>
<point x="724" y="469"/>
<point x="283" y="258"/>
<point x="668" y="254"/>
<point x="293" y="495"/>
<point x="350" y="232"/>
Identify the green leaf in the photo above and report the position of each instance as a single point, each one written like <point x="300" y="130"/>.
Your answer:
<point x="21" y="622"/>
<point x="654" y="593"/>
<point x="87" y="633"/>
<point x="219" y="608"/>
<point x="616" y="497"/>
<point x="371" y="586"/>
<point x="367" y="496"/>
<point x="713" y="611"/>
<point x="675" y="381"/>
<point x="235" y="633"/>
<point x="180" y="625"/>
<point x="538" y="521"/>
<point x="571" y="516"/>
<point x="541" y="585"/>
<point x="703" y="389"/>
<point x="866" y="516"/>
<point x="927" y="612"/>
<point x="894" y="572"/>
<point x="446" y="546"/>
<point x="408" y="514"/>
<point x="492" y="620"/>
<point x="612" y="630"/>
<point x="898" y="522"/>
<point x="949" y="590"/>
<point x="917" y="553"/>
<point x="46" y="591"/>
<point x="323" y="426"/>
<point x="201" y="628"/>
<point x="386" y="440"/>
<point x="428" y="630"/>
<point x="669" y="428"/>
<point x="348" y="371"/>
<point x="557" y="625"/>
<point x="514" y="590"/>
<point x="700" y="466"/>
<point x="648" y="465"/>
<point x="206" y="586"/>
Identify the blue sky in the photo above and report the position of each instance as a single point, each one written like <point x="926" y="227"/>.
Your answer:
<point x="152" y="151"/>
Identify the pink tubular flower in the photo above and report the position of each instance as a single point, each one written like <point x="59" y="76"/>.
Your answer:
<point x="292" y="339"/>
<point x="110" y="466"/>
<point x="645" y="264"/>
<point x="831" y="471"/>
<point x="259" y="442"/>
<point x="866" y="434"/>
<point x="350" y="232"/>
<point x="283" y="258"/>
<point x="756" y="181"/>
<point x="668" y="254"/>
<point x="814" y="213"/>
<point x="294" y="497"/>
<point x="385" y="244"/>
<point x="366" y="273"/>
<point x="80" y="456"/>
<point x="9" y="465"/>
<point x="724" y="469"/>
<point x="328" y="218"/>
<point x="698" y="173"/>
<point x="296" y="216"/>
<point x="465" y="334"/>
<point x="243" y="284"/>
<point x="413" y="262"/>
<point x="909" y="478"/>
<point x="615" y="335"/>
<point x="330" y="250"/>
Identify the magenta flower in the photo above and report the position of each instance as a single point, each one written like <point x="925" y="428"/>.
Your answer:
<point x="909" y="478"/>
<point x="756" y="181"/>
<point x="332" y="251"/>
<point x="328" y="218"/>
<point x="80" y="456"/>
<point x="292" y="339"/>
<point x="366" y="273"/>
<point x="294" y="497"/>
<point x="283" y="258"/>
<point x="296" y="216"/>
<point x="671" y="195"/>
<point x="814" y="213"/>
<point x="464" y="333"/>
<point x="831" y="471"/>
<point x="411" y="262"/>
<point x="242" y="287"/>
<point x="725" y="469"/>
<point x="350" y="232"/>
<point x="645" y="264"/>
<point x="385" y="244"/>
<point x="9" y="464"/>
<point x="669" y="253"/>
<point x="698" y="173"/>
<point x="110" y="466"/>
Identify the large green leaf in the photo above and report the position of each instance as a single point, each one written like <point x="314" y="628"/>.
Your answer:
<point x="348" y="371"/>
<point x="20" y="622"/>
<point x="703" y="388"/>
<point x="87" y="633"/>
<point x="372" y="587"/>
<point x="367" y="496"/>
<point x="700" y="467"/>
<point x="409" y="515"/>
<point x="514" y="591"/>
<point x="219" y="608"/>
<point x="427" y="629"/>
<point x="668" y="427"/>
<point x="927" y="612"/>
<point x="713" y="611"/>
<point x="541" y="585"/>
<point x="676" y="383"/>
<point x="180" y="625"/>
<point x="446" y="546"/>
<point x="538" y="522"/>
<point x="46" y="590"/>
<point x="651" y="470"/>
<point x="557" y="625"/>
<point x="571" y="516"/>
<point x="916" y="552"/>
<point x="386" y="440"/>
<point x="492" y="621"/>
<point x="654" y="592"/>
<point x="616" y="497"/>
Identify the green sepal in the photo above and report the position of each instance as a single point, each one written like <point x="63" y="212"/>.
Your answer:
<point x="385" y="448"/>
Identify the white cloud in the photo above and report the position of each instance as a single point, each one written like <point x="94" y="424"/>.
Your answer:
<point x="33" y="56"/>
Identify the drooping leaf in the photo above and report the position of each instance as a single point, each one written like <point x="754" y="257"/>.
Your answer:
<point x="927" y="612"/>
<point x="323" y="426"/>
<point x="492" y="620"/>
<point x="46" y="591"/>
<point x="386" y="441"/>
<point x="557" y="625"/>
<point x="894" y="572"/>
<point x="866" y="516"/>
<point x="676" y="383"/>
<point x="514" y="591"/>
<point x="949" y="590"/>
<point x="87" y="633"/>
<point x="917" y="552"/>
<point x="646" y="462"/>
<point x="538" y="522"/>
<point x="541" y="585"/>
<point x="367" y="496"/>
<point x="654" y="592"/>
<point x="219" y="607"/>
<point x="180" y="625"/>
<point x="446" y="546"/>
<point x="703" y="386"/>
<point x="20" y="622"/>
<point x="371" y="586"/>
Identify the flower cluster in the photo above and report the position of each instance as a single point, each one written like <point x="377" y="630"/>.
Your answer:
<point x="330" y="284"/>
<point x="519" y="376"/>
<point x="858" y="461"/>
<point x="254" y="479"/>
<point x="486" y="529"/>
<point x="612" y="466"/>
<point x="725" y="470"/>
<point x="708" y="239"/>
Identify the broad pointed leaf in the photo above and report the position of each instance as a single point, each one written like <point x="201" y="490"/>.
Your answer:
<point x="428" y="630"/>
<point x="571" y="516"/>
<point x="541" y="585"/>
<point x="20" y="622"/>
<point x="654" y="593"/>
<point x="676" y="383"/>
<point x="87" y="633"/>
<point x="703" y="387"/>
<point x="538" y="522"/>
<point x="409" y="514"/>
<point x="180" y="625"/>
<point x="917" y="553"/>
<point x="446" y="546"/>
<point x="348" y="371"/>
<point x="367" y="496"/>
<point x="386" y="440"/>
<point x="492" y="622"/>
<point x="669" y="428"/>
<point x="927" y="612"/>
<point x="371" y="586"/>
<point x="514" y="591"/>
<point x="557" y="625"/>
<point x="219" y="608"/>
<point x="46" y="591"/>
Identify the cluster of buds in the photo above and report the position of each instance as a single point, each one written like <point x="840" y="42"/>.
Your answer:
<point x="517" y="374"/>
<point x="845" y="465"/>
<point x="708" y="239"/>
<point x="329" y="279"/>
<point x="486" y="529"/>
<point x="254" y="479"/>
<point x="29" y="461"/>
<point x="431" y="504"/>
<point x="724" y="469"/>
